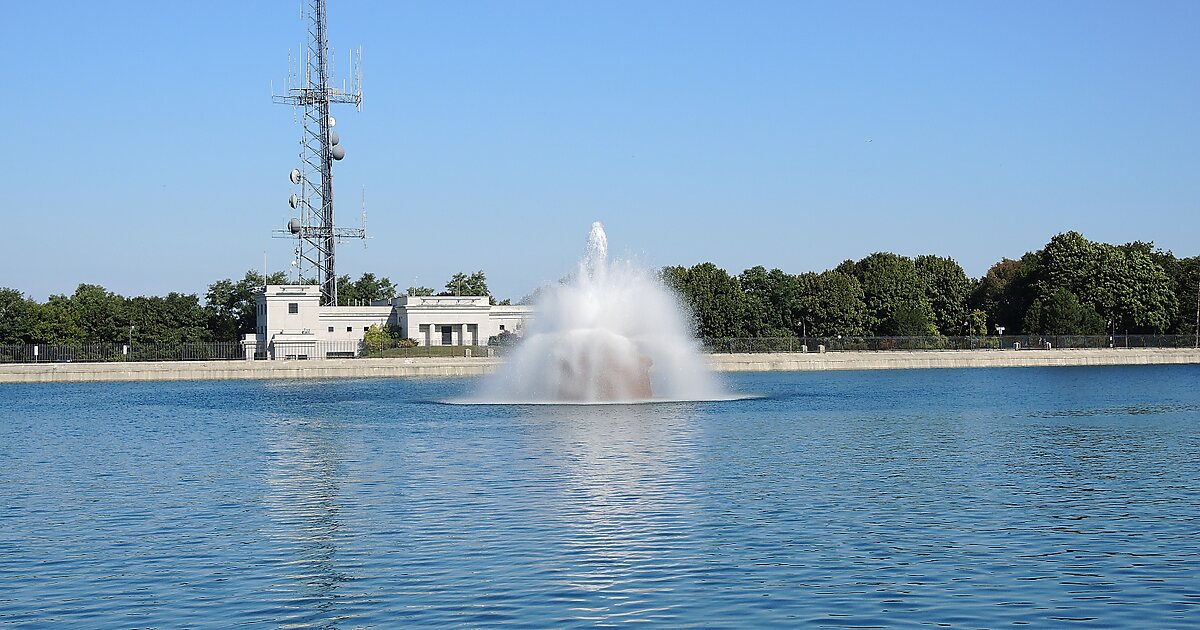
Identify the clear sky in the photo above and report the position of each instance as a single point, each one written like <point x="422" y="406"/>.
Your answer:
<point x="145" y="155"/>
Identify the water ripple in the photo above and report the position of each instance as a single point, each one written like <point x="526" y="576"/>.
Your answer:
<point x="842" y="500"/>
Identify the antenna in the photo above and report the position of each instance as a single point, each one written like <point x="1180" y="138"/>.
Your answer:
<point x="363" y="219"/>
<point x="320" y="147"/>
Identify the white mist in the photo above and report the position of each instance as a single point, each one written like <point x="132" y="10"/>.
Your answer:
<point x="613" y="333"/>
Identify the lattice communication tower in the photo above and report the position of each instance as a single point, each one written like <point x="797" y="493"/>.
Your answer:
<point x="311" y="93"/>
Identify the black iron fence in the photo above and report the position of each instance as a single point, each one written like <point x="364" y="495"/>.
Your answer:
<point x="311" y="350"/>
<point x="1006" y="342"/>
<point x="228" y="351"/>
<point x="105" y="352"/>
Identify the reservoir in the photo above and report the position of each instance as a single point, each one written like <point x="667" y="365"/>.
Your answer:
<point x="980" y="497"/>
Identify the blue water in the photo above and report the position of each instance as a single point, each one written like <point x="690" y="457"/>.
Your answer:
<point x="965" y="498"/>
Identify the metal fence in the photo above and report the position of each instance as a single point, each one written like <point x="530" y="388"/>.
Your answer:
<point x="227" y="351"/>
<point x="363" y="350"/>
<point x="1006" y="342"/>
<point x="312" y="350"/>
<point x="112" y="352"/>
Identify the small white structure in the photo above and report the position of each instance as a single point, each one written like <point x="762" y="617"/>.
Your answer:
<point x="292" y="324"/>
<point x="451" y="320"/>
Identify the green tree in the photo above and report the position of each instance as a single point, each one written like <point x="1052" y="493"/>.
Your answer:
<point x="472" y="285"/>
<point x="890" y="285"/>
<point x="99" y="314"/>
<point x="1069" y="261"/>
<point x="232" y="306"/>
<point x="57" y="322"/>
<point x="18" y="317"/>
<point x="910" y="319"/>
<point x="376" y="336"/>
<point x="947" y="289"/>
<point x="977" y="323"/>
<point x="771" y="302"/>
<point x="1006" y="292"/>
<point x="1137" y="290"/>
<point x="1124" y="284"/>
<point x="174" y="318"/>
<point x="715" y="298"/>
<point x="1185" y="279"/>
<point x="831" y="304"/>
<point x="415" y="291"/>
<point x="1061" y="313"/>
<point x="365" y="290"/>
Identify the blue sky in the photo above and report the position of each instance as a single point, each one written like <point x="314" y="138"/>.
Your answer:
<point x="146" y="155"/>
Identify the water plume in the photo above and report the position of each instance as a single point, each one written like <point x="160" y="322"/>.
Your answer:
<point x="612" y="332"/>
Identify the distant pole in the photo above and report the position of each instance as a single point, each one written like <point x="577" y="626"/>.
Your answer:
<point x="1197" y="330"/>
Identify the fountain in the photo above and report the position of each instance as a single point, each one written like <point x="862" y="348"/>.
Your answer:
<point x="611" y="333"/>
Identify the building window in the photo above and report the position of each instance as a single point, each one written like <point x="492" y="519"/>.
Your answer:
<point x="447" y="335"/>
<point x="331" y="329"/>
<point x="293" y="307"/>
<point x="365" y="328"/>
<point x="349" y="329"/>
<point x="501" y="326"/>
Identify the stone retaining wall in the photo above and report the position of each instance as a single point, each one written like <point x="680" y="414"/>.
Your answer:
<point x="920" y="359"/>
<point x="426" y="367"/>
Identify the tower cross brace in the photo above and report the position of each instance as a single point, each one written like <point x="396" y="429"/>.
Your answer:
<point x="315" y="231"/>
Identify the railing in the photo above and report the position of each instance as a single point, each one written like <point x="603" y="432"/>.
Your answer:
<point x="313" y="350"/>
<point x="110" y="352"/>
<point x="226" y="351"/>
<point x="1006" y="342"/>
<point x="394" y="349"/>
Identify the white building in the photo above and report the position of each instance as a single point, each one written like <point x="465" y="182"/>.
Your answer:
<point x="447" y="320"/>
<point x="292" y="324"/>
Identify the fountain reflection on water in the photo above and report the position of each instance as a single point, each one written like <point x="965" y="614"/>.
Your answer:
<point x="611" y="333"/>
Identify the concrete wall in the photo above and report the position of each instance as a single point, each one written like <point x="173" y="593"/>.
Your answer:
<point x="441" y="366"/>
<point x="274" y="316"/>
<point x="919" y="359"/>
<point x="348" y="323"/>
<point x="240" y="370"/>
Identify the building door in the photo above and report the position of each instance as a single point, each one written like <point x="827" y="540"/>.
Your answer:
<point x="447" y="335"/>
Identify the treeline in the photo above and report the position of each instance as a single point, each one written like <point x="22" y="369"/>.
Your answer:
<point x="93" y="314"/>
<point x="1072" y="286"/>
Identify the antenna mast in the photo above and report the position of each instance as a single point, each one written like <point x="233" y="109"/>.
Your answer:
<point x="320" y="146"/>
